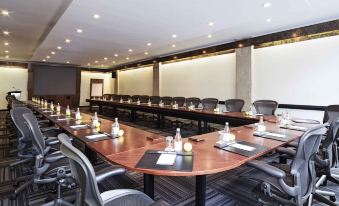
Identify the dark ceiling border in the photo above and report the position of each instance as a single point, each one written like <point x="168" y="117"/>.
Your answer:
<point x="255" y="41"/>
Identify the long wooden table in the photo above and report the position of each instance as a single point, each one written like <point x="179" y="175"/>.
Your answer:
<point x="127" y="150"/>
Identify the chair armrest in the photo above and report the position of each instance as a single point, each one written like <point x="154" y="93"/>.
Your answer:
<point x="109" y="172"/>
<point x="43" y="121"/>
<point x="45" y="129"/>
<point x="266" y="168"/>
<point x="54" y="157"/>
<point x="159" y="203"/>
<point x="52" y="141"/>
<point x="284" y="150"/>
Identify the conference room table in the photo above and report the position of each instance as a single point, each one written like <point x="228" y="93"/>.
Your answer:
<point x="128" y="149"/>
<point x="198" y="114"/>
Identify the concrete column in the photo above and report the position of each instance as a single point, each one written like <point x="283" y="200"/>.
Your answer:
<point x="244" y="74"/>
<point x="116" y="84"/>
<point x="156" y="79"/>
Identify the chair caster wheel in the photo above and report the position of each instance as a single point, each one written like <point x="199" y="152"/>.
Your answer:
<point x="333" y="199"/>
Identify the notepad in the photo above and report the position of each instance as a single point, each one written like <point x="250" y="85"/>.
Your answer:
<point x="55" y="115"/>
<point x="94" y="136"/>
<point x="166" y="159"/>
<point x="63" y="119"/>
<point x="275" y="134"/>
<point x="47" y="111"/>
<point x="294" y="127"/>
<point x="79" y="126"/>
<point x="242" y="147"/>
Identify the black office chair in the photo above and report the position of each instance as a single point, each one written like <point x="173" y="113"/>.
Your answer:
<point x="265" y="107"/>
<point x="331" y="113"/>
<point x="193" y="100"/>
<point x="179" y="100"/>
<point x="295" y="187"/>
<point x="143" y="100"/>
<point x="166" y="100"/>
<point x="135" y="98"/>
<point x="209" y="103"/>
<point x="155" y="99"/>
<point x="83" y="172"/>
<point x="116" y="97"/>
<point x="234" y="105"/>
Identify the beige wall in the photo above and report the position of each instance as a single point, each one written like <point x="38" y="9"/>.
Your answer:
<point x="12" y="77"/>
<point x="136" y="81"/>
<point x="204" y="77"/>
<point x="85" y="84"/>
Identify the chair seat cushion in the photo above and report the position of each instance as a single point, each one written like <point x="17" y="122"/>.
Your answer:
<point x="125" y="197"/>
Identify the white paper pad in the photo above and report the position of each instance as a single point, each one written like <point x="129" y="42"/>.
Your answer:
<point x="47" y="111"/>
<point x="55" y="115"/>
<point x="166" y="159"/>
<point x="63" y="119"/>
<point x="275" y="134"/>
<point x="94" y="136"/>
<point x="243" y="147"/>
<point x="296" y="127"/>
<point x="78" y="126"/>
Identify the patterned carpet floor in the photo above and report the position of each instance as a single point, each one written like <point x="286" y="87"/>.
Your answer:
<point x="223" y="189"/>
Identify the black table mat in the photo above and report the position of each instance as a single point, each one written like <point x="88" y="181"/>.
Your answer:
<point x="259" y="149"/>
<point x="183" y="162"/>
<point x="287" y="137"/>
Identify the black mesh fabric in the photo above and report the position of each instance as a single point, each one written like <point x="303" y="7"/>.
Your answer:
<point x="234" y="105"/>
<point x="155" y="99"/>
<point x="167" y="100"/>
<point x="331" y="113"/>
<point x="179" y="100"/>
<point x="209" y="103"/>
<point x="194" y="100"/>
<point x="265" y="107"/>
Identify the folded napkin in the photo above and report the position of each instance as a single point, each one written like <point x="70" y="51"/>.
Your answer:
<point x="94" y="136"/>
<point x="294" y="127"/>
<point x="166" y="159"/>
<point x="79" y="126"/>
<point x="242" y="147"/>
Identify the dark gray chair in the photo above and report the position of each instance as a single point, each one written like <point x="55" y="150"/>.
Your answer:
<point x="179" y="100"/>
<point x="265" y="107"/>
<point x="296" y="186"/>
<point x="331" y="113"/>
<point x="83" y="172"/>
<point x="167" y="100"/>
<point x="209" y="103"/>
<point x="144" y="99"/>
<point x="155" y="99"/>
<point x="135" y="98"/>
<point x="194" y="100"/>
<point x="234" y="105"/>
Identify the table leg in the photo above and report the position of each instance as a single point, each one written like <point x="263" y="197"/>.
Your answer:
<point x="199" y="126"/>
<point x="100" y="109"/>
<point x="159" y="120"/>
<point x="200" y="190"/>
<point x="133" y="116"/>
<point x="149" y="185"/>
<point x="90" y="107"/>
<point x="205" y="127"/>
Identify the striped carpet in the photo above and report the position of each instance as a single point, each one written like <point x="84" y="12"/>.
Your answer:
<point x="223" y="189"/>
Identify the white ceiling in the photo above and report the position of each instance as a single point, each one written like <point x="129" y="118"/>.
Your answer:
<point x="131" y="24"/>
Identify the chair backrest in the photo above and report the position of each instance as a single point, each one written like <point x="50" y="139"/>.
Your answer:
<point x="25" y="138"/>
<point x="144" y="99"/>
<point x="83" y="172"/>
<point x="155" y="99"/>
<point x="329" y="144"/>
<point x="125" y="97"/>
<point x="303" y="165"/>
<point x="167" y="100"/>
<point x="135" y="98"/>
<point x="38" y="141"/>
<point x="194" y="100"/>
<point x="209" y="103"/>
<point x="331" y="113"/>
<point x="265" y="107"/>
<point x="179" y="100"/>
<point x="116" y="97"/>
<point x="234" y="105"/>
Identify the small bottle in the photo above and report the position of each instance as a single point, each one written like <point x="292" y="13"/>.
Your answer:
<point x="138" y="101"/>
<point x="78" y="114"/>
<point x="226" y="134"/>
<point x="115" y="128"/>
<point x="149" y="103"/>
<point x="58" y="108"/>
<point x="261" y="125"/>
<point x="52" y="106"/>
<point x="95" y="120"/>
<point x="46" y="104"/>
<point x="227" y="128"/>
<point x="68" y="112"/>
<point x="178" y="141"/>
<point x="121" y="101"/>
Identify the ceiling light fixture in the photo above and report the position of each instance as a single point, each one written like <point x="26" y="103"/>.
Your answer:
<point x="7" y="56"/>
<point x="96" y="16"/>
<point x="88" y="64"/>
<point x="240" y="45"/>
<point x="116" y="55"/>
<point x="105" y="58"/>
<point x="5" y="32"/>
<point x="146" y="53"/>
<point x="130" y="50"/>
<point x="174" y="36"/>
<point x="268" y="20"/>
<point x="173" y="45"/>
<point x="53" y="52"/>
<point x="209" y="36"/>
<point x="6" y="43"/>
<point x="67" y="62"/>
<point x="113" y="62"/>
<point x="79" y="30"/>
<point x="210" y="24"/>
<point x="44" y="60"/>
<point x="48" y="57"/>
<point x="266" y="5"/>
<point x="59" y="47"/>
<point x="6" y="51"/>
<point x="67" y="40"/>
<point x="127" y="58"/>
<point x="5" y="13"/>
<point x="96" y="61"/>
<point x="149" y="44"/>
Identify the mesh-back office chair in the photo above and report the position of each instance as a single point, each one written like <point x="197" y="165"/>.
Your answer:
<point x="179" y="100"/>
<point x="234" y="105"/>
<point x="116" y="97"/>
<point x="167" y="100"/>
<point x="135" y="98"/>
<point x="331" y="113"/>
<point x="295" y="187"/>
<point x="209" y="103"/>
<point x="83" y="172"/>
<point x="194" y="100"/>
<point x="155" y="99"/>
<point x="265" y="107"/>
<point x="144" y="99"/>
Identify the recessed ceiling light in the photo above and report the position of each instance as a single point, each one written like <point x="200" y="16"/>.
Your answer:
<point x="116" y="55"/>
<point x="102" y="65"/>
<point x="105" y="58"/>
<point x="173" y="45"/>
<point x="44" y="60"/>
<point x="48" y="57"/>
<point x="79" y="30"/>
<point x="240" y="45"/>
<point x="209" y="36"/>
<point x="146" y="53"/>
<point x="96" y="16"/>
<point x="5" y="13"/>
<point x="5" y="32"/>
<point x="6" y="51"/>
<point x="113" y="62"/>
<point x="268" y="20"/>
<point x="127" y="58"/>
<point x="210" y="24"/>
<point x="6" y="43"/>
<point x="88" y="64"/>
<point x="130" y="50"/>
<point x="266" y="5"/>
<point x="67" y="62"/>
<point x="96" y="61"/>
<point x="7" y="56"/>
<point x="67" y="40"/>
<point x="174" y="36"/>
<point x="149" y="44"/>
<point x="53" y="52"/>
<point x="59" y="47"/>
